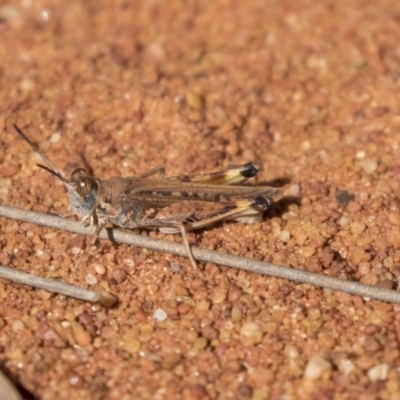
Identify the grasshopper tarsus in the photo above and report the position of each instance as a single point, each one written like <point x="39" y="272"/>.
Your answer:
<point x="172" y="205"/>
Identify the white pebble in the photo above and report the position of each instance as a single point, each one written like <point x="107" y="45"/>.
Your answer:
<point x="249" y="328"/>
<point x="160" y="315"/>
<point x="174" y="266"/>
<point x="129" y="262"/>
<point x="360" y="154"/>
<point x="378" y="373"/>
<point x="369" y="166"/>
<point x="316" y="367"/>
<point x="70" y="114"/>
<point x="100" y="269"/>
<point x="90" y="279"/>
<point x="18" y="325"/>
<point x="55" y="137"/>
<point x="291" y="352"/>
<point x="343" y="221"/>
<point x="76" y="250"/>
<point x="346" y="366"/>
<point x="284" y="236"/>
<point x="50" y="235"/>
<point x="294" y="189"/>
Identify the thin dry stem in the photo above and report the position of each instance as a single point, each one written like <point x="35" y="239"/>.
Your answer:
<point x="7" y="389"/>
<point x="215" y="257"/>
<point x="55" y="286"/>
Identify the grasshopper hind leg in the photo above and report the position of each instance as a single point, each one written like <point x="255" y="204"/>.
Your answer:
<point x="231" y="176"/>
<point x="187" y="245"/>
<point x="164" y="226"/>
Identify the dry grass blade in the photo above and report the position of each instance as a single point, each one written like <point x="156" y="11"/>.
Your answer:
<point x="54" y="286"/>
<point x="7" y="389"/>
<point x="207" y="255"/>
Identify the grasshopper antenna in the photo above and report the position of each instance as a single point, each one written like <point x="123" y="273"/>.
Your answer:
<point x="53" y="170"/>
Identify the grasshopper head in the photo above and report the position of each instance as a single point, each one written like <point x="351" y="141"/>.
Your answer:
<point x="82" y="192"/>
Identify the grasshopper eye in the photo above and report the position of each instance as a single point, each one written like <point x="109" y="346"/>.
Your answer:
<point x="83" y="182"/>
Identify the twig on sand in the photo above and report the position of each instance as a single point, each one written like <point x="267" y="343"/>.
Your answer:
<point x="215" y="257"/>
<point x="55" y="286"/>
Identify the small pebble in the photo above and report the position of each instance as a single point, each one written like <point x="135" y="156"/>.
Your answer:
<point x="50" y="235"/>
<point x="160" y="315"/>
<point x="291" y="352"/>
<point x="346" y="366"/>
<point x="81" y="336"/>
<point x="119" y="275"/>
<point x="372" y="329"/>
<point x="316" y="367"/>
<point x="99" y="268"/>
<point x="55" y="137"/>
<point x="170" y="360"/>
<point x="236" y="314"/>
<point x="369" y="166"/>
<point x="129" y="262"/>
<point x="5" y="258"/>
<point x="9" y="169"/>
<point x="18" y="325"/>
<point x="284" y="236"/>
<point x="43" y="294"/>
<point x="74" y="380"/>
<point x="184" y="308"/>
<point x="357" y="227"/>
<point x="394" y="218"/>
<point x="76" y="245"/>
<point x="195" y="100"/>
<point x="219" y="296"/>
<point x="75" y="250"/>
<point x="378" y="373"/>
<point x="294" y="190"/>
<point x="386" y="284"/>
<point x="371" y="345"/>
<point x="364" y="268"/>
<point x="251" y="333"/>
<point x="343" y="221"/>
<point x="357" y="255"/>
<point x="245" y="391"/>
<point x="90" y="279"/>
<point x="360" y="154"/>
<point x="380" y="111"/>
<point x="131" y="345"/>
<point x="174" y="266"/>
<point x="306" y="251"/>
<point x="388" y="262"/>
<point x="343" y="197"/>
<point x="353" y="207"/>
<point x="85" y="318"/>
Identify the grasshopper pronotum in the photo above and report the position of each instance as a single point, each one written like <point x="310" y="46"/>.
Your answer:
<point x="172" y="205"/>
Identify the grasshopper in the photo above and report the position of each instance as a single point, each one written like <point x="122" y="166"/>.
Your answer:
<point x="172" y="205"/>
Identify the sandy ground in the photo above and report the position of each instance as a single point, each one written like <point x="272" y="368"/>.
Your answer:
<point x="308" y="89"/>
